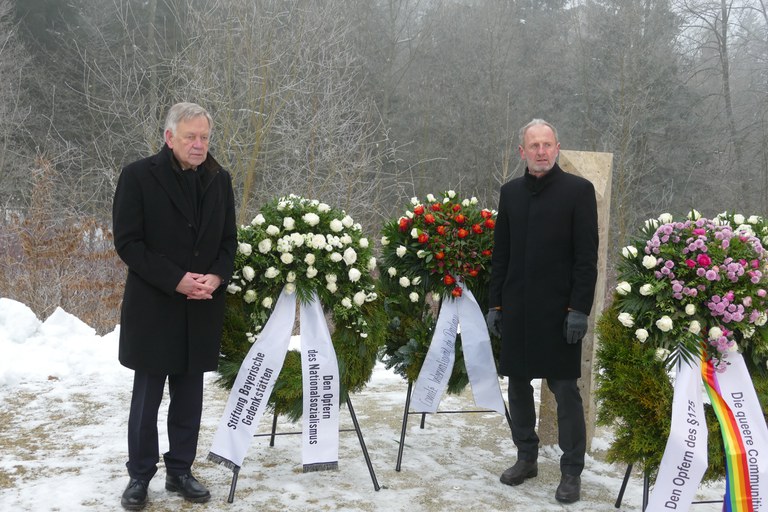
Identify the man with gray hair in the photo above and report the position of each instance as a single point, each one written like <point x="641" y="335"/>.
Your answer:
<point x="543" y="276"/>
<point x="174" y="227"/>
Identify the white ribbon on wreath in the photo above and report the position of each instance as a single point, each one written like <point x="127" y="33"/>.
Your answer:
<point x="436" y="370"/>
<point x="256" y="379"/>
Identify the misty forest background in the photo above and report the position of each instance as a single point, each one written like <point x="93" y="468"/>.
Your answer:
<point x="363" y="104"/>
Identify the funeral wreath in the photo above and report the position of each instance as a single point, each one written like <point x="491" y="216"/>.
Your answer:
<point x="303" y="246"/>
<point x="437" y="245"/>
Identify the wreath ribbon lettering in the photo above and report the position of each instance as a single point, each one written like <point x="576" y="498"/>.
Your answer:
<point x="256" y="379"/>
<point x="744" y="431"/>
<point x="433" y="378"/>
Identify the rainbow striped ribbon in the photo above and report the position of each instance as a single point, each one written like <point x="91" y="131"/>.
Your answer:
<point x="738" y="492"/>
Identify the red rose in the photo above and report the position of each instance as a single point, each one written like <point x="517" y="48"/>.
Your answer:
<point x="477" y="229"/>
<point x="486" y="252"/>
<point x="448" y="279"/>
<point x="486" y="214"/>
<point x="460" y="218"/>
<point x="429" y="218"/>
<point x="439" y="255"/>
<point x="456" y="207"/>
<point x="474" y="272"/>
<point x="423" y="237"/>
<point x="419" y="209"/>
<point x="463" y="233"/>
<point x="436" y="207"/>
<point x="490" y="223"/>
<point x="440" y="230"/>
<point x="456" y="292"/>
<point x="405" y="224"/>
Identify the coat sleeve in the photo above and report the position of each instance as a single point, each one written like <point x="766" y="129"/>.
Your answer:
<point x="500" y="255"/>
<point x="585" y="243"/>
<point x="128" y="228"/>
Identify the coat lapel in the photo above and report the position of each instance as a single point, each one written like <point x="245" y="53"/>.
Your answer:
<point x="163" y="173"/>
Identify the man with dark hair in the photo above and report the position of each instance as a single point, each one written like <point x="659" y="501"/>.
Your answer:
<point x="174" y="227"/>
<point x="543" y="276"/>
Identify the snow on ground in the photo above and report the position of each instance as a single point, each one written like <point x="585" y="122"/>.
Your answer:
<point x="64" y="406"/>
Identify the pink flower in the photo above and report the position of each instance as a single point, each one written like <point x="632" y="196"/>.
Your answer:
<point x="704" y="260"/>
<point x="699" y="231"/>
<point x="690" y="263"/>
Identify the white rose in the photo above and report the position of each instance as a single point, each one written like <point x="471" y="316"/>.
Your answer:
<point x="662" y="354"/>
<point x="629" y="251"/>
<point x="715" y="333"/>
<point x="753" y="219"/>
<point x="258" y="220"/>
<point x="250" y="296"/>
<point x="265" y="246"/>
<point x="652" y="223"/>
<point x="289" y="223"/>
<point x="291" y="277"/>
<point x="290" y="288"/>
<point x="371" y="264"/>
<point x="350" y="256"/>
<point x="363" y="243"/>
<point x="347" y="221"/>
<point x="233" y="288"/>
<point x="665" y="218"/>
<point x="336" y="225"/>
<point x="623" y="288"/>
<point x="392" y="271"/>
<point x="414" y="233"/>
<point x="738" y="218"/>
<point x="421" y="254"/>
<point x="761" y="319"/>
<point x="272" y="230"/>
<point x="384" y="240"/>
<point x="267" y="302"/>
<point x="473" y="200"/>
<point x="271" y="273"/>
<point x="416" y="280"/>
<point x="646" y="290"/>
<point x="323" y="208"/>
<point x="641" y="335"/>
<point x="431" y="198"/>
<point x="309" y="259"/>
<point x="354" y="275"/>
<point x="451" y="194"/>
<point x="359" y="298"/>
<point x="286" y="258"/>
<point x="248" y="273"/>
<point x="649" y="262"/>
<point x="311" y="272"/>
<point x="331" y="278"/>
<point x="465" y="203"/>
<point x="312" y="219"/>
<point x="435" y="296"/>
<point x="414" y="201"/>
<point x="335" y="257"/>
<point x="690" y="309"/>
<point x="413" y="296"/>
<point x="626" y="319"/>
<point x="404" y="282"/>
<point x="409" y="214"/>
<point x="400" y="251"/>
<point x="331" y="287"/>
<point x="694" y="327"/>
<point x="297" y="239"/>
<point x="664" y="324"/>
<point x="318" y="241"/>
<point x="244" y="248"/>
<point x="694" y="215"/>
<point x="346" y="302"/>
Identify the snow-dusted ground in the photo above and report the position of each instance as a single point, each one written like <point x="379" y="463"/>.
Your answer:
<point x="64" y="406"/>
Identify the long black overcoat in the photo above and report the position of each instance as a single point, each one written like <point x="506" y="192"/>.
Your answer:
<point x="161" y="331"/>
<point x="544" y="262"/>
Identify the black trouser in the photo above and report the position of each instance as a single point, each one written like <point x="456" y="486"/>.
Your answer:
<point x="572" y="431"/>
<point x="184" y="412"/>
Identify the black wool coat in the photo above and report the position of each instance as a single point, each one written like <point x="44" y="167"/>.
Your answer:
<point x="544" y="262"/>
<point x="155" y="234"/>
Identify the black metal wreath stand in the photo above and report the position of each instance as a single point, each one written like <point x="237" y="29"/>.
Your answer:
<point x="273" y="433"/>
<point x="408" y="412"/>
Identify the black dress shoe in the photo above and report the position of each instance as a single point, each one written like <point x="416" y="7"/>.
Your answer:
<point x="518" y="473"/>
<point x="569" y="490"/>
<point x="135" y="495"/>
<point x="188" y="487"/>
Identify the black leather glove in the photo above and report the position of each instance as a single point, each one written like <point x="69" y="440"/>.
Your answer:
<point x="493" y="321"/>
<point x="575" y="327"/>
